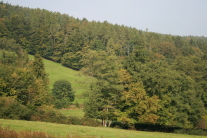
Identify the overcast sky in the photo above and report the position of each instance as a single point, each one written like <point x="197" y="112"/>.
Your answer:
<point x="176" y="17"/>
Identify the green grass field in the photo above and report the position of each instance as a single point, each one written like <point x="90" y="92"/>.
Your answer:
<point x="83" y="131"/>
<point x="74" y="112"/>
<point x="58" y="72"/>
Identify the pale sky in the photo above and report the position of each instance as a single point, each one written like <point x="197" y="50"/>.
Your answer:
<point x="176" y="17"/>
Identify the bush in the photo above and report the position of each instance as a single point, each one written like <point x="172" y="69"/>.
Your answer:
<point x="63" y="93"/>
<point x="191" y="131"/>
<point x="61" y="103"/>
<point x="11" y="109"/>
<point x="90" y="122"/>
<point x="116" y="124"/>
<point x="77" y="104"/>
<point x="202" y="122"/>
<point x="45" y="113"/>
<point x="49" y="114"/>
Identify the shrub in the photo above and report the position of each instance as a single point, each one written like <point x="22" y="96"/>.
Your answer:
<point x="49" y="114"/>
<point x="191" y="131"/>
<point x="61" y="103"/>
<point x="77" y="104"/>
<point x="63" y="93"/>
<point x="45" y="113"/>
<point x="202" y="122"/>
<point x="11" y="109"/>
<point x="90" y="122"/>
<point x="116" y="124"/>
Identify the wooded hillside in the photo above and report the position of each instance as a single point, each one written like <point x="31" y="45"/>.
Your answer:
<point x="141" y="77"/>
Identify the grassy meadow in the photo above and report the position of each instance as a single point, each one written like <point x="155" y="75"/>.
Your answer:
<point x="58" y="72"/>
<point x="86" y="131"/>
<point x="73" y="112"/>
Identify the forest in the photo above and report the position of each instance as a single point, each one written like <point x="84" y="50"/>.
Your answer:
<point x="140" y="77"/>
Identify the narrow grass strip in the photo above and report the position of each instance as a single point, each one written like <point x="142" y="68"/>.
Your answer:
<point x="85" y="131"/>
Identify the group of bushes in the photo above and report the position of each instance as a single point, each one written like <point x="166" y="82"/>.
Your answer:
<point x="171" y="129"/>
<point x="11" y="109"/>
<point x="191" y="131"/>
<point x="161" y="128"/>
<point x="49" y="114"/>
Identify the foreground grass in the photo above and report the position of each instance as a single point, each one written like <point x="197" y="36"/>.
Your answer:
<point x="58" y="72"/>
<point x="85" y="131"/>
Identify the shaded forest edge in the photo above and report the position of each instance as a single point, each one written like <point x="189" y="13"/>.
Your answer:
<point x="141" y="77"/>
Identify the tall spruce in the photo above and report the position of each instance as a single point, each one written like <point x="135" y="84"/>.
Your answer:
<point x="38" y="68"/>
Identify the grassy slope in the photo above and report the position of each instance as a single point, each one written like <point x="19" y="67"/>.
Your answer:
<point x="61" y="129"/>
<point x="74" y="112"/>
<point x="57" y="72"/>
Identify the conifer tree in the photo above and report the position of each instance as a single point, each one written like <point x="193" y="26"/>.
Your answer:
<point x="39" y="68"/>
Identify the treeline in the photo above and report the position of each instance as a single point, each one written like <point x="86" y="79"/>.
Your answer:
<point x="21" y="78"/>
<point x="24" y="92"/>
<point x="24" y="89"/>
<point x="141" y="77"/>
<point x="64" y="39"/>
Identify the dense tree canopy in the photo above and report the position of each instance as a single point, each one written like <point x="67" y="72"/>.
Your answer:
<point x="17" y="77"/>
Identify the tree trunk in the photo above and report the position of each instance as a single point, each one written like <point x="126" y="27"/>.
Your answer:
<point x="104" y="123"/>
<point x="109" y="123"/>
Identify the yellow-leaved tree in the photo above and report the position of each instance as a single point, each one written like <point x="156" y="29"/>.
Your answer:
<point x="135" y="105"/>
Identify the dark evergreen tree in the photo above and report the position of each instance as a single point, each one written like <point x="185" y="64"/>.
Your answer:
<point x="39" y="68"/>
<point x="63" y="93"/>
